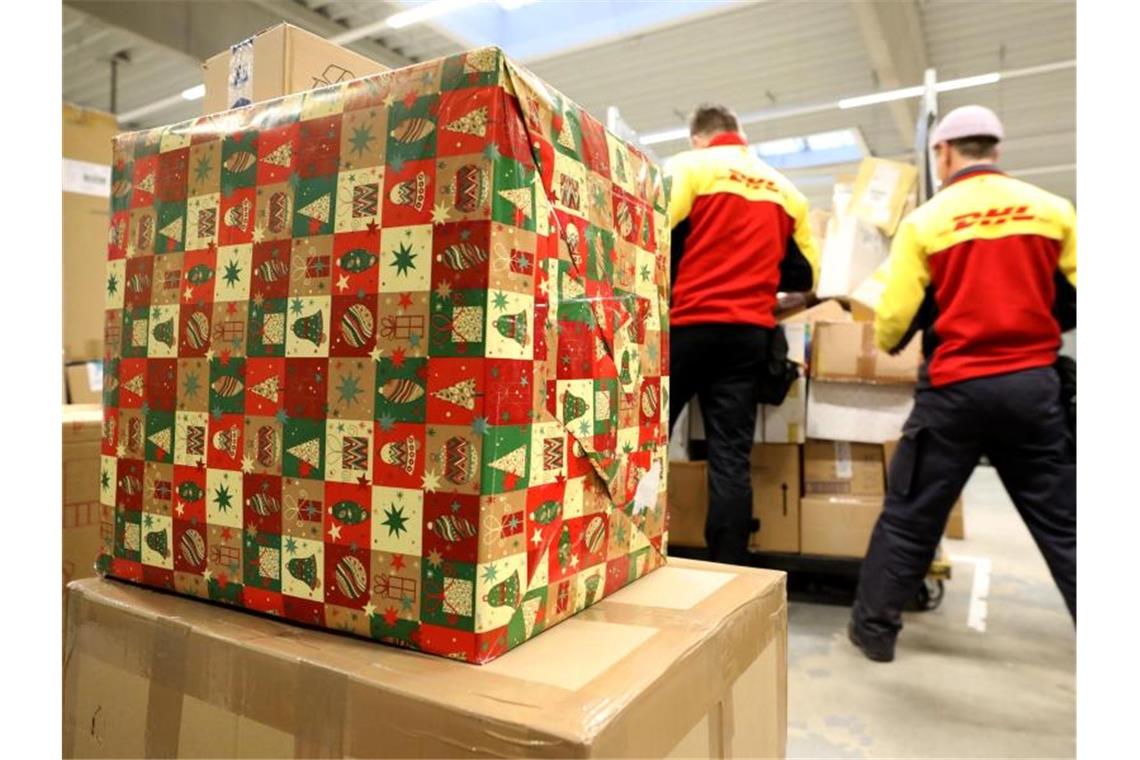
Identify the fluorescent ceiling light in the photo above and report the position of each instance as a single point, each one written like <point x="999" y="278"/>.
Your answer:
<point x="425" y="12"/>
<point x="961" y="84"/>
<point x="510" y="5"/>
<point x="197" y="92"/>
<point x="781" y="147"/>
<point x="881" y="97"/>
<point x="916" y="91"/>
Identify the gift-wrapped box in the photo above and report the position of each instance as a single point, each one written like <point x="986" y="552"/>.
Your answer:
<point x="389" y="357"/>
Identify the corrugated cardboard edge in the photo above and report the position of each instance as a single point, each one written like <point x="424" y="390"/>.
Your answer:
<point x="345" y="710"/>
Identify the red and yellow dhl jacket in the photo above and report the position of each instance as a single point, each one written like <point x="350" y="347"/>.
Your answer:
<point x="988" y="269"/>
<point x="740" y="234"/>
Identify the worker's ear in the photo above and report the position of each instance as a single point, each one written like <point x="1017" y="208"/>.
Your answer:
<point x="699" y="141"/>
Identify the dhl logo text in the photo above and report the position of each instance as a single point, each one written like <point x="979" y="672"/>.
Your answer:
<point x="992" y="217"/>
<point x="752" y="183"/>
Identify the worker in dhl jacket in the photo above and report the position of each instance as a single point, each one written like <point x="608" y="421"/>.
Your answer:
<point x="740" y="234"/>
<point x="988" y="269"/>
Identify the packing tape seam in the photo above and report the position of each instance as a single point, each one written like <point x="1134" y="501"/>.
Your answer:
<point x="727" y="660"/>
<point x="865" y="363"/>
<point x="166" y="686"/>
<point x="324" y="691"/>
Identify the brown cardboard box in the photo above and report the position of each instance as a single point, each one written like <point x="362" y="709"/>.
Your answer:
<point x="839" y="467"/>
<point x="838" y="526"/>
<point x="825" y="311"/>
<point x="281" y="60"/>
<point x="82" y="432"/>
<point x="846" y="352"/>
<point x="84" y="383"/>
<point x="775" y="472"/>
<point x="881" y="192"/>
<point x="956" y="524"/>
<point x="776" y="497"/>
<point x="86" y="191"/>
<point x="689" y="661"/>
<point x="688" y="502"/>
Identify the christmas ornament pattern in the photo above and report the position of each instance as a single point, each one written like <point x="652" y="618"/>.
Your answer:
<point x="389" y="356"/>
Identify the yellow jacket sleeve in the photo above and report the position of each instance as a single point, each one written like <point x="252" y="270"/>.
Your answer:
<point x="804" y="238"/>
<point x="1068" y="261"/>
<point x="907" y="277"/>
<point x="682" y="191"/>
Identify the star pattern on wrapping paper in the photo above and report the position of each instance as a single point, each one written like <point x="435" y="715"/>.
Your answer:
<point x="440" y="213"/>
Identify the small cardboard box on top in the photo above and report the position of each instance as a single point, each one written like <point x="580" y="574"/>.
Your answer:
<point x="846" y="353"/>
<point x="278" y="61"/>
<point x="691" y="661"/>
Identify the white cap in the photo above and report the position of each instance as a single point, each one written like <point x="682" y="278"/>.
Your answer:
<point x="968" y="121"/>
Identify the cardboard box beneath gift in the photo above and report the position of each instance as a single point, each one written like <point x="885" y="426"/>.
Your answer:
<point x="689" y="662"/>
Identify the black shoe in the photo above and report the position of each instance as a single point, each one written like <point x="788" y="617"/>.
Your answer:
<point x="874" y="651"/>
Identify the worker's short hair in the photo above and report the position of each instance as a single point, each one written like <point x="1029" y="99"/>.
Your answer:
<point x="979" y="146"/>
<point x="709" y="119"/>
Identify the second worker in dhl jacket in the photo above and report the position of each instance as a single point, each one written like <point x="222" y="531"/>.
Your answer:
<point x="740" y="235"/>
<point x="988" y="270"/>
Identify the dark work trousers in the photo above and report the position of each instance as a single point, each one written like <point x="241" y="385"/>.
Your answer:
<point x="721" y="366"/>
<point x="1017" y="421"/>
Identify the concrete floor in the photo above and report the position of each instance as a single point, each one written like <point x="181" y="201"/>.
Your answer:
<point x="952" y="691"/>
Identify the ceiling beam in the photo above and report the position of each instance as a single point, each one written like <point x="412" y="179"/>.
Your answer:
<point x="199" y="30"/>
<point x="896" y="46"/>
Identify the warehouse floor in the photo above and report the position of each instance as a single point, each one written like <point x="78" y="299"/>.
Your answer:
<point x="952" y="691"/>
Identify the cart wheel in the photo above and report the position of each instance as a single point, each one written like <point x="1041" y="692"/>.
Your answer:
<point x="929" y="595"/>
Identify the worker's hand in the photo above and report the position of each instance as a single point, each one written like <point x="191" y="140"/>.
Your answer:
<point x="789" y="302"/>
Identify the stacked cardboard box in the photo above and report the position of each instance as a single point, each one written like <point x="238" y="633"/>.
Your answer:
<point x="689" y="662"/>
<point x="843" y="495"/>
<point x="87" y="138"/>
<point x="82" y="433"/>
<point x="859" y="393"/>
<point x="278" y="61"/>
<point x="775" y="473"/>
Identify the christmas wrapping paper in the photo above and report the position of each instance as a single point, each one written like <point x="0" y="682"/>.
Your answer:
<point x="389" y="357"/>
